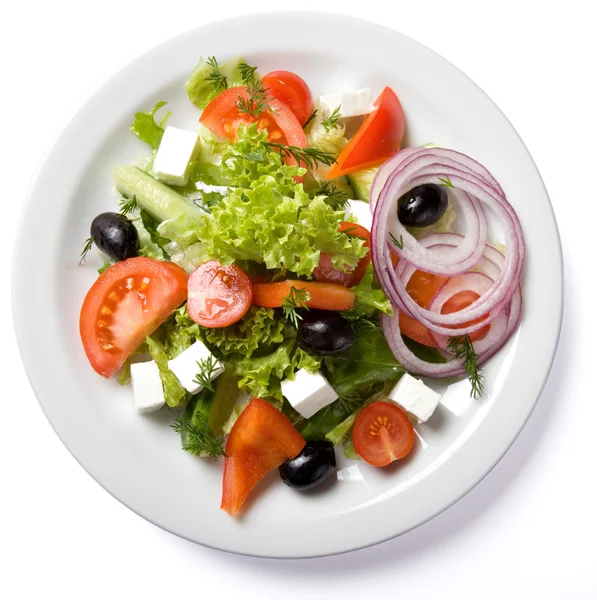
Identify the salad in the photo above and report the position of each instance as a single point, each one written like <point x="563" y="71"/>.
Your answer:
<point x="281" y="275"/>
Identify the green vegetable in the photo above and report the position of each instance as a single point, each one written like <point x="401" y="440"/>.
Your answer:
<point x="174" y="393"/>
<point x="361" y="182"/>
<point x="153" y="196"/>
<point x="209" y="78"/>
<point x="270" y="219"/>
<point x="297" y="298"/>
<point x="196" y="435"/>
<point x="423" y="352"/>
<point x="257" y="330"/>
<point x="349" y="451"/>
<point x="463" y="350"/>
<point x="205" y="372"/>
<point x="332" y="121"/>
<point x="370" y="297"/>
<point x="224" y="401"/>
<point x="145" y="127"/>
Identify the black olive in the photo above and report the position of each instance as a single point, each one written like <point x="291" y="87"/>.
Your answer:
<point x="325" y="332"/>
<point x="423" y="205"/>
<point x="115" y="235"/>
<point x="312" y="466"/>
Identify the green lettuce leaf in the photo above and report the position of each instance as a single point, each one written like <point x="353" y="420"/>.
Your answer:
<point x="145" y="127"/>
<point x="174" y="393"/>
<point x="370" y="297"/>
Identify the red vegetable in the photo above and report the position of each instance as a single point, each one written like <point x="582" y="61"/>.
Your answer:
<point x="292" y="90"/>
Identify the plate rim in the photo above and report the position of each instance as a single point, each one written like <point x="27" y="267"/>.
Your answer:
<point x="18" y="321"/>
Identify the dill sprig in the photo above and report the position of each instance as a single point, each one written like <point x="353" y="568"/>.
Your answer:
<point x="332" y="120"/>
<point x="347" y="402"/>
<point x="218" y="80"/>
<point x="247" y="73"/>
<point x="445" y="181"/>
<point x="399" y="243"/>
<point x="309" y="156"/>
<point x="207" y="366"/>
<point x="258" y="100"/>
<point x="86" y="247"/>
<point x="128" y="205"/>
<point x="311" y="117"/>
<point x="295" y="299"/>
<point x="198" y="439"/>
<point x="336" y="198"/>
<point x="463" y="350"/>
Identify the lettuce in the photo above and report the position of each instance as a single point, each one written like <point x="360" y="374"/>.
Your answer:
<point x="370" y="297"/>
<point x="145" y="127"/>
<point x="174" y="393"/>
<point x="270" y="219"/>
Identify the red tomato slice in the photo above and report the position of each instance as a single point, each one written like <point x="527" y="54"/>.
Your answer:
<point x="218" y="295"/>
<point x="261" y="440"/>
<point x="222" y="118"/>
<point x="422" y="288"/>
<point x="377" y="139"/>
<point x="327" y="296"/>
<point x="292" y="90"/>
<point x="326" y="272"/>
<point x="382" y="434"/>
<point x="128" y="301"/>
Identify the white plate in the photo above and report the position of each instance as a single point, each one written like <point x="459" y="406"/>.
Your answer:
<point x="137" y="458"/>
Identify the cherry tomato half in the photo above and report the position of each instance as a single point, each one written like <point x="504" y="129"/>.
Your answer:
<point x="292" y="90"/>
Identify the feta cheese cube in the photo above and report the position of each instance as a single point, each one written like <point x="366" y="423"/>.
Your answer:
<point x="176" y="150"/>
<point x="415" y="397"/>
<point x="185" y="366"/>
<point x="361" y="211"/>
<point x="352" y="104"/>
<point x="308" y="392"/>
<point x="147" y="386"/>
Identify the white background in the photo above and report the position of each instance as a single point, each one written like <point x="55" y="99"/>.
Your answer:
<point x="526" y="532"/>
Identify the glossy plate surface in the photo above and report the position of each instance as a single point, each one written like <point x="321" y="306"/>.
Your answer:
<point x="138" y="458"/>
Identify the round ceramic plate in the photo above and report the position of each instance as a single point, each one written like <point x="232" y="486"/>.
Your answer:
<point x="138" y="458"/>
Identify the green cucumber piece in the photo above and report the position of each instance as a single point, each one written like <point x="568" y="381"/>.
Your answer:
<point x="153" y="196"/>
<point x="361" y="182"/>
<point x="223" y="402"/>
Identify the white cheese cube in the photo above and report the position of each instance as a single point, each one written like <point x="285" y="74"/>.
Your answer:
<point x="147" y="386"/>
<point x="185" y="366"/>
<point x="415" y="397"/>
<point x="352" y="104"/>
<point x="176" y="150"/>
<point x="308" y="392"/>
<point x="361" y="211"/>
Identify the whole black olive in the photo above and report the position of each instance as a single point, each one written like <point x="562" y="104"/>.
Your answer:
<point x="115" y="235"/>
<point x="423" y="205"/>
<point x="325" y="332"/>
<point x="312" y="466"/>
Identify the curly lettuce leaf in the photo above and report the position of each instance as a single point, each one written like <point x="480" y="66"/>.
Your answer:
<point x="370" y="297"/>
<point x="174" y="393"/>
<point x="145" y="127"/>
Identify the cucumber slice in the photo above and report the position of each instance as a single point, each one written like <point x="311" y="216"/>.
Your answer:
<point x="361" y="182"/>
<point x="223" y="402"/>
<point x="153" y="196"/>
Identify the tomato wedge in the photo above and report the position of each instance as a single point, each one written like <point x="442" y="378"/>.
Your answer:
<point x="127" y="302"/>
<point x="218" y="295"/>
<point x="377" y="138"/>
<point x="327" y="273"/>
<point x="292" y="90"/>
<point x="221" y="117"/>
<point x="327" y="296"/>
<point x="261" y="440"/>
<point x="382" y="434"/>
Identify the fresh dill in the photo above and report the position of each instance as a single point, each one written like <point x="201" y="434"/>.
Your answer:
<point x="336" y="198"/>
<point x="446" y="182"/>
<point x="463" y="350"/>
<point x="398" y="242"/>
<point x="218" y="80"/>
<point x="128" y="205"/>
<point x="309" y="156"/>
<point x="247" y="73"/>
<point x="257" y="100"/>
<point x="295" y="299"/>
<point x="332" y="120"/>
<point x="198" y="438"/>
<point x="86" y="247"/>
<point x="347" y="402"/>
<point x="204" y="376"/>
<point x="311" y="117"/>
